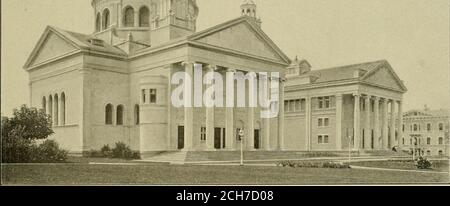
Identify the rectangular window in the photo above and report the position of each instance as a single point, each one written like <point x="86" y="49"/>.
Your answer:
<point x="441" y="127"/>
<point x="292" y="105"/>
<point x="153" y="96"/>
<point x="303" y="104"/>
<point x="325" y="139"/>
<point x="297" y="105"/>
<point x="428" y="127"/>
<point x="320" y="139"/>
<point x="327" y="122"/>
<point x="320" y="123"/>
<point x="320" y="102"/>
<point x="327" y="102"/>
<point x="144" y="98"/>
<point x="203" y="134"/>
<point x="286" y="106"/>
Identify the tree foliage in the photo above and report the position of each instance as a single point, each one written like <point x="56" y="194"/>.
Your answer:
<point x="33" y="123"/>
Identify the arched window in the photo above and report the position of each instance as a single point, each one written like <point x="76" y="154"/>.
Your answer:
<point x="106" y="19"/>
<point x="55" y="116"/>
<point x="50" y="106"/>
<point x="108" y="114"/>
<point x="98" y="22"/>
<point x="415" y="127"/>
<point x="137" y="118"/>
<point x="441" y="127"/>
<point x="119" y="116"/>
<point x="144" y="17"/>
<point x="128" y="18"/>
<point x="441" y="141"/>
<point x="63" y="109"/>
<point x="44" y="105"/>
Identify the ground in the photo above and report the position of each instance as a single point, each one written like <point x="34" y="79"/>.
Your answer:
<point x="127" y="172"/>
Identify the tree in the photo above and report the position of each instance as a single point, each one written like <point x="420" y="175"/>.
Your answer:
<point x="34" y="124"/>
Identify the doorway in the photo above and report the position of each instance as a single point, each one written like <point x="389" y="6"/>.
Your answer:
<point x="257" y="139"/>
<point x="180" y="137"/>
<point x="217" y="138"/>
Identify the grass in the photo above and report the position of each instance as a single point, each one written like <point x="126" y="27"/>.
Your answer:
<point x="165" y="174"/>
<point x="439" y="166"/>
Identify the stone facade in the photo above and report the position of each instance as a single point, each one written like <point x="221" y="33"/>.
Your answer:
<point x="114" y="85"/>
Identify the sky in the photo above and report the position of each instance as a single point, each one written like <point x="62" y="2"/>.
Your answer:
<point x="413" y="35"/>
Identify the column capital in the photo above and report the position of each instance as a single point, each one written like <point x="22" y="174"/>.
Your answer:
<point x="376" y="98"/>
<point x="212" y="67"/>
<point x="339" y="95"/>
<point x="356" y="95"/>
<point x="187" y="63"/>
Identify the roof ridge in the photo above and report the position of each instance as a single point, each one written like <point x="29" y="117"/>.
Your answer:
<point x="354" y="65"/>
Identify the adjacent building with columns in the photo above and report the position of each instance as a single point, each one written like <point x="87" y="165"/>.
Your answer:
<point x="114" y="85"/>
<point x="348" y="107"/>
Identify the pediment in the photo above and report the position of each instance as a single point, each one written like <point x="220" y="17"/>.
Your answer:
<point x="385" y="76"/>
<point x="50" y="46"/>
<point x="243" y="37"/>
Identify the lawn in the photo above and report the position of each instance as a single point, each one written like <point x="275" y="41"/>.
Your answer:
<point x="165" y="174"/>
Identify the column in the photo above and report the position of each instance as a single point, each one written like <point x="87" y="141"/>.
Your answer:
<point x="339" y="122"/>
<point x="392" y="126"/>
<point x="210" y="119"/>
<point x="188" y="106"/>
<point x="385" y="124"/>
<point x="250" y="133"/>
<point x="400" y="123"/>
<point x="229" y="122"/>
<point x="266" y="121"/>
<point x="357" y="122"/>
<point x="376" y="130"/>
<point x="281" y="145"/>
<point x="171" y="116"/>
<point x="368" y="129"/>
<point x="308" y="123"/>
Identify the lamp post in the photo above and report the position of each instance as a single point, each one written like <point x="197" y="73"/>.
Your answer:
<point x="241" y="138"/>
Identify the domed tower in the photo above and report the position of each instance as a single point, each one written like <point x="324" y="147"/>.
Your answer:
<point x="248" y="8"/>
<point x="150" y="22"/>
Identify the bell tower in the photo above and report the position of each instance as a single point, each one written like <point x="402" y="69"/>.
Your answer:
<point x="176" y="18"/>
<point x="149" y="22"/>
<point x="249" y="8"/>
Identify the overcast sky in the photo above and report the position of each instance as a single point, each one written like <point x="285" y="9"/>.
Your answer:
<point x="413" y="35"/>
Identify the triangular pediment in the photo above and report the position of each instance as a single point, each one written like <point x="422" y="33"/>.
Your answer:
<point x="51" y="46"/>
<point x="242" y="36"/>
<point x="385" y="76"/>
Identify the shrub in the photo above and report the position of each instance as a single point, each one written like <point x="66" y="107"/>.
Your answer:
<point x="308" y="164"/>
<point x="106" y="151"/>
<point x="122" y="151"/>
<point x="49" y="152"/>
<point x="16" y="149"/>
<point x="423" y="163"/>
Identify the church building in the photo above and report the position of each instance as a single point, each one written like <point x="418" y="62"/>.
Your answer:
<point x="114" y="85"/>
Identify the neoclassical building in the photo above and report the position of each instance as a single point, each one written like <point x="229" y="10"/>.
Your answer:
<point x="350" y="107"/>
<point x="115" y="85"/>
<point x="427" y="130"/>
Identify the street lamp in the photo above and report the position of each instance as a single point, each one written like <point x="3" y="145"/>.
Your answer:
<point x="241" y="138"/>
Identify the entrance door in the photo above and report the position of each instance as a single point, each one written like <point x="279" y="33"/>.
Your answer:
<point x="257" y="139"/>
<point x="217" y="138"/>
<point x="180" y="137"/>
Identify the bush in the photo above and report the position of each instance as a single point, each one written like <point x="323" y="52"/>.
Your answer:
<point x="16" y="149"/>
<point x="49" y="152"/>
<point x="423" y="163"/>
<point x="106" y="151"/>
<point x="122" y="151"/>
<point x="34" y="123"/>
<point x="308" y="164"/>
